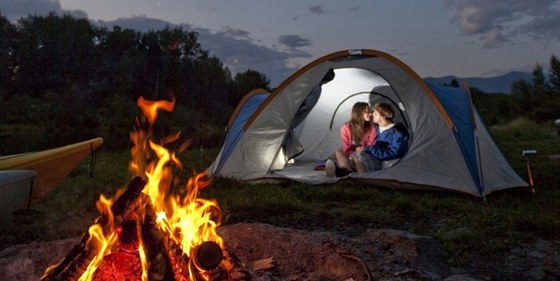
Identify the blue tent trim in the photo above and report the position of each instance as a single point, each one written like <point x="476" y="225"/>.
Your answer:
<point x="457" y="103"/>
<point x="235" y="132"/>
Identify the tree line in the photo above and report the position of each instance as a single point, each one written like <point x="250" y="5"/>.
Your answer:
<point x="538" y="100"/>
<point x="63" y="79"/>
<point x="541" y="99"/>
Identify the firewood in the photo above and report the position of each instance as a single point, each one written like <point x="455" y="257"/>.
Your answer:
<point x="166" y="260"/>
<point x="236" y="270"/>
<point x="79" y="257"/>
<point x="263" y="264"/>
<point x="153" y="239"/>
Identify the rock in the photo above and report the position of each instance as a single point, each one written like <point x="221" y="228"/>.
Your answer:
<point x="28" y="262"/>
<point x="376" y="254"/>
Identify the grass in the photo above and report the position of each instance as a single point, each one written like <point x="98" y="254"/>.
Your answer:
<point x="460" y="222"/>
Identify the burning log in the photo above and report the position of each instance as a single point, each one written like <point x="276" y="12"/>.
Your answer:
<point x="218" y="264"/>
<point x="159" y="264"/>
<point x="80" y="256"/>
<point x="236" y="270"/>
<point x="207" y="255"/>
<point x="124" y="263"/>
<point x="135" y="216"/>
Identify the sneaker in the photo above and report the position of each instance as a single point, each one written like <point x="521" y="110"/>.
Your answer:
<point x="330" y="167"/>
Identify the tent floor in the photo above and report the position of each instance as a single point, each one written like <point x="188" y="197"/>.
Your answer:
<point x="304" y="172"/>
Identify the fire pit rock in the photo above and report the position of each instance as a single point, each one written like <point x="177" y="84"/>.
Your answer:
<point x="302" y="255"/>
<point x="381" y="254"/>
<point x="27" y="262"/>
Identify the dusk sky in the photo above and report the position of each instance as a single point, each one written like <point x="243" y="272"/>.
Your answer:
<point x="465" y="38"/>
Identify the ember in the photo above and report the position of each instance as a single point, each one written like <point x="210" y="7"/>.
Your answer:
<point x="148" y="232"/>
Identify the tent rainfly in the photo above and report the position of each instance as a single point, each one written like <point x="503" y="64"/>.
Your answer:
<point x="283" y="135"/>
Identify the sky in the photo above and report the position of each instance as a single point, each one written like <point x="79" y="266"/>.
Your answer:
<point x="436" y="38"/>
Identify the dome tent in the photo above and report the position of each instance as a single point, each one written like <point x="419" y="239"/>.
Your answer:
<point x="450" y="148"/>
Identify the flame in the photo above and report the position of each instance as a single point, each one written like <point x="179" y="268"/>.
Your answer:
<point x="150" y="108"/>
<point x="185" y="218"/>
<point x="102" y="240"/>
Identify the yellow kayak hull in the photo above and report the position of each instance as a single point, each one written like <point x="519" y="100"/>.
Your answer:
<point x="52" y="165"/>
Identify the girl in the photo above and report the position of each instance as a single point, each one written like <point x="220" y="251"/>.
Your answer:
<point x="355" y="135"/>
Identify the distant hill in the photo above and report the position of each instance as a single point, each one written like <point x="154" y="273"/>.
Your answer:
<point x="492" y="85"/>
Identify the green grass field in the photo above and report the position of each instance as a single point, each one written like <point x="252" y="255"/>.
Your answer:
<point x="460" y="222"/>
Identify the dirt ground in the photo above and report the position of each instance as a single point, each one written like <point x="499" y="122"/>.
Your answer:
<point x="374" y="254"/>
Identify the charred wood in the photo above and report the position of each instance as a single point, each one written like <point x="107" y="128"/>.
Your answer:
<point x="80" y="256"/>
<point x="159" y="264"/>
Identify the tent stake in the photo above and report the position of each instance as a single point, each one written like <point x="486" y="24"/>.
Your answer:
<point x="527" y="153"/>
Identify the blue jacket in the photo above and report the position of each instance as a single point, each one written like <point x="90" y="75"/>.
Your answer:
<point x="391" y="143"/>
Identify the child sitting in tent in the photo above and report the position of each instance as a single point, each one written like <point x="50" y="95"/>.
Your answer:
<point x="354" y="135"/>
<point x="392" y="141"/>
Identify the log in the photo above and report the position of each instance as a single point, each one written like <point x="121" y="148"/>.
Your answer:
<point x="263" y="264"/>
<point x="159" y="264"/>
<point x="166" y="259"/>
<point x="79" y="257"/>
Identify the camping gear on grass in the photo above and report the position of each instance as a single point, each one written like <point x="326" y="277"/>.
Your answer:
<point x="450" y="148"/>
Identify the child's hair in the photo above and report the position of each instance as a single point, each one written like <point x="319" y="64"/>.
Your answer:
<point x="358" y="125"/>
<point x="384" y="110"/>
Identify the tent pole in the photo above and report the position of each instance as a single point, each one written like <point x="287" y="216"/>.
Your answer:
<point x="477" y="145"/>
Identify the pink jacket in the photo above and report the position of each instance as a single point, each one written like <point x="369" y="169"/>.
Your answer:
<point x="346" y="138"/>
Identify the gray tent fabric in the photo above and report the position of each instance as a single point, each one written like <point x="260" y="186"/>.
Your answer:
<point x="435" y="159"/>
<point x="292" y="147"/>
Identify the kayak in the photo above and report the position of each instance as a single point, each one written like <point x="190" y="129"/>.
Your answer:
<point x="15" y="191"/>
<point x="51" y="166"/>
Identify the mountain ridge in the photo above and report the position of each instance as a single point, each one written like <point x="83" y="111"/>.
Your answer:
<point x="490" y="85"/>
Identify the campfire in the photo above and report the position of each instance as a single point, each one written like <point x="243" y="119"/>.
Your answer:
<point x="155" y="229"/>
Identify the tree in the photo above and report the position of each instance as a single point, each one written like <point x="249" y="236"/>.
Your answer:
<point x="121" y="60"/>
<point x="540" y="87"/>
<point x="54" y="53"/>
<point x="76" y="75"/>
<point x="521" y="90"/>
<point x="180" y="50"/>
<point x="495" y="108"/>
<point x="555" y="74"/>
<point x="212" y="86"/>
<point x="247" y="81"/>
<point x="8" y="68"/>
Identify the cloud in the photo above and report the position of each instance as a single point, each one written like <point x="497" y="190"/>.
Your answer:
<point x="317" y="10"/>
<point x="293" y="41"/>
<point x="16" y="9"/>
<point x="497" y="21"/>
<point x="238" y="51"/>
<point x="235" y="33"/>
<point x="543" y="27"/>
<point x="492" y="39"/>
